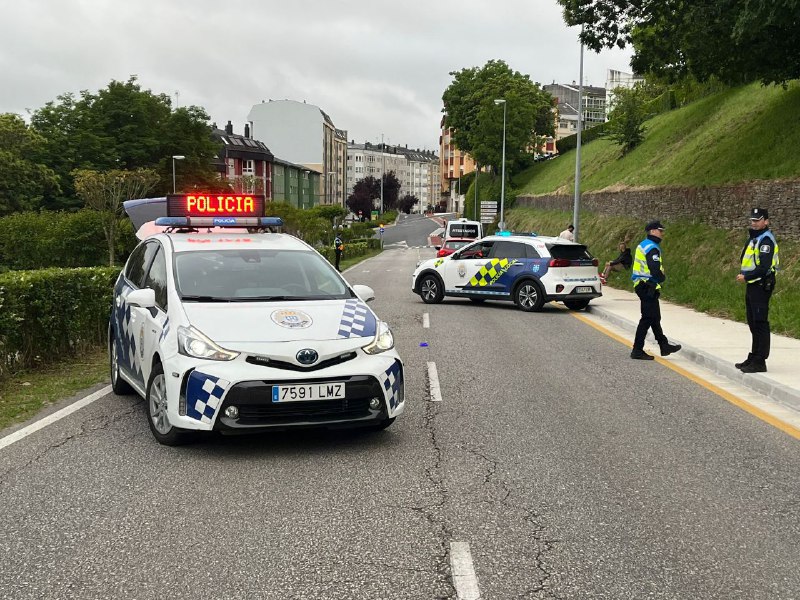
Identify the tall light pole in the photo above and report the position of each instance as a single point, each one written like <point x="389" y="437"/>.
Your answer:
<point x="577" y="203"/>
<point x="502" y="223"/>
<point x="475" y="208"/>
<point x="174" y="158"/>
<point x="383" y="169"/>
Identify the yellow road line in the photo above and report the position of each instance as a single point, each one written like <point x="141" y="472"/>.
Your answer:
<point x="735" y="400"/>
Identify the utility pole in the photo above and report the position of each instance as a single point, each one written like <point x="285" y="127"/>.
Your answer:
<point x="383" y="169"/>
<point x="577" y="203"/>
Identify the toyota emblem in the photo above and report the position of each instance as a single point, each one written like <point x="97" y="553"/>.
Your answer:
<point x="307" y="356"/>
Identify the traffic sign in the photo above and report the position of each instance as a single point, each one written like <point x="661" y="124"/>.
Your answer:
<point x="488" y="204"/>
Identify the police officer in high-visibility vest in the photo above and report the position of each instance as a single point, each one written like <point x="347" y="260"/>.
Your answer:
<point x="647" y="276"/>
<point x="759" y="264"/>
<point x="338" y="248"/>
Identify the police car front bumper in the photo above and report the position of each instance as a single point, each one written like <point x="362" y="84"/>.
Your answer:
<point x="200" y="391"/>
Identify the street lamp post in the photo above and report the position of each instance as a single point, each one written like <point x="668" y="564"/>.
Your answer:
<point x="174" y="158"/>
<point x="577" y="203"/>
<point x="502" y="223"/>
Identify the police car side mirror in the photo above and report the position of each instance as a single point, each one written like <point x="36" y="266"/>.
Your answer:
<point x="145" y="298"/>
<point x="438" y="247"/>
<point x="364" y="292"/>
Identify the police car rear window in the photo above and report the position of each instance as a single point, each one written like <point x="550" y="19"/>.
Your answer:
<point x="569" y="251"/>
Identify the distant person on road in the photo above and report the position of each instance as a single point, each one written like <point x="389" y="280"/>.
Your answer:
<point x="759" y="264"/>
<point x="338" y="249"/>
<point x="568" y="234"/>
<point x="622" y="262"/>
<point x="647" y="276"/>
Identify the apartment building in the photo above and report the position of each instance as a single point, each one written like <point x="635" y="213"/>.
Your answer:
<point x="594" y="107"/>
<point x="453" y="162"/>
<point x="416" y="170"/>
<point x="303" y="134"/>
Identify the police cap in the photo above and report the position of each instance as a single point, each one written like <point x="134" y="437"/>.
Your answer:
<point x="654" y="225"/>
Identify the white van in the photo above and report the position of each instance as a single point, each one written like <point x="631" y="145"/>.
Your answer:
<point x="464" y="229"/>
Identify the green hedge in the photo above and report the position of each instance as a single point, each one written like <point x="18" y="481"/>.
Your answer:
<point x="49" y="313"/>
<point x="587" y="135"/>
<point x="33" y="240"/>
<point x="351" y="250"/>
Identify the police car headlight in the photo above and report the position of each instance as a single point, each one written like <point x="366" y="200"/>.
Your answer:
<point x="384" y="340"/>
<point x="193" y="343"/>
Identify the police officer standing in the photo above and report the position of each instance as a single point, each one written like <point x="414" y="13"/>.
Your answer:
<point x="338" y="248"/>
<point x="647" y="278"/>
<point x="759" y="263"/>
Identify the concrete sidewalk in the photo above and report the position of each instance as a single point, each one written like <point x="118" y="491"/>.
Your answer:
<point x="713" y="343"/>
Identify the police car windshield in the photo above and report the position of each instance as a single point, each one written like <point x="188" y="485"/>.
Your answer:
<point x="256" y="275"/>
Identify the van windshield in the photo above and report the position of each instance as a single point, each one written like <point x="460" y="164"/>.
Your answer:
<point x="459" y="229"/>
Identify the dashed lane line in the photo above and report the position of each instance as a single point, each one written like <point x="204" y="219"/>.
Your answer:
<point x="464" y="579"/>
<point x="426" y="321"/>
<point x="433" y="379"/>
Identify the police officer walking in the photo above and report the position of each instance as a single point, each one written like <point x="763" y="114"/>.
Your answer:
<point x="647" y="278"/>
<point x="338" y="248"/>
<point x="759" y="263"/>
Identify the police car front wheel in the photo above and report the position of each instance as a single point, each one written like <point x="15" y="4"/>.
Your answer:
<point x="156" y="408"/>
<point x="430" y="290"/>
<point x="529" y="296"/>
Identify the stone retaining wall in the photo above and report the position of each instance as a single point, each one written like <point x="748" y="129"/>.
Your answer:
<point x="725" y="207"/>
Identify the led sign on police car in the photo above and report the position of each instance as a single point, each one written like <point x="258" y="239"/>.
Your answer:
<point x="215" y="205"/>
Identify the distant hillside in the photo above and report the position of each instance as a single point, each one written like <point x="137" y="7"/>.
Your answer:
<point x="743" y="134"/>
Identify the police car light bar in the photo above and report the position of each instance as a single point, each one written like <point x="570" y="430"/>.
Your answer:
<point x="219" y="222"/>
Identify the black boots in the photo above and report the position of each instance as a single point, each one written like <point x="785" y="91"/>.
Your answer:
<point x="667" y="348"/>
<point x="640" y="355"/>
<point x="756" y="365"/>
<point x="745" y="362"/>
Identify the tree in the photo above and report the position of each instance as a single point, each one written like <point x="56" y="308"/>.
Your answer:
<point x="106" y="191"/>
<point x="365" y="192"/>
<point x="407" y="202"/>
<point x="124" y="127"/>
<point x="477" y="122"/>
<point x="24" y="182"/>
<point x="391" y="191"/>
<point x="734" y="40"/>
<point x="626" y="119"/>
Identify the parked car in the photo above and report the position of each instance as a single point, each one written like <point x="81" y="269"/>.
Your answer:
<point x="450" y="245"/>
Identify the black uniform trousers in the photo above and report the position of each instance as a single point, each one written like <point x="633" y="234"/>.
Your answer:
<point x="338" y="258"/>
<point x="756" y="302"/>
<point x="651" y="315"/>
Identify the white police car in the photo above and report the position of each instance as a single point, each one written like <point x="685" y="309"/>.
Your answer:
<point x="247" y="331"/>
<point x="526" y="269"/>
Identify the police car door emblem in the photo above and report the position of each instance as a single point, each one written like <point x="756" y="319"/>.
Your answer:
<point x="462" y="271"/>
<point x="307" y="356"/>
<point x="291" y="319"/>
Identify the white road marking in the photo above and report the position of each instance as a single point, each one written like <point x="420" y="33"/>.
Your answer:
<point x="426" y="321"/>
<point x="433" y="378"/>
<point x="56" y="416"/>
<point x="464" y="579"/>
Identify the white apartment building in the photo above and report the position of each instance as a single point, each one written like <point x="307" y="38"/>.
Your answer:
<point x="416" y="170"/>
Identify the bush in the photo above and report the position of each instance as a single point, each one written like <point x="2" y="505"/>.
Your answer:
<point x="49" y="313"/>
<point x="38" y="240"/>
<point x="587" y="135"/>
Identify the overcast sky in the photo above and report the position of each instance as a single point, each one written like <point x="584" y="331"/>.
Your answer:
<point x="374" y="66"/>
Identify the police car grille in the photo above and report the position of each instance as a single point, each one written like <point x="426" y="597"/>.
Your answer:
<point x="282" y="364"/>
<point x="254" y="401"/>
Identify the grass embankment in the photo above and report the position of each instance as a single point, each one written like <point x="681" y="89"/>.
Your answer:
<point x="742" y="134"/>
<point x="25" y="393"/>
<point x="701" y="262"/>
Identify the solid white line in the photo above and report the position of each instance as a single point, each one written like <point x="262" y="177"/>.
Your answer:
<point x="49" y="419"/>
<point x="464" y="579"/>
<point x="433" y="378"/>
<point x="426" y="321"/>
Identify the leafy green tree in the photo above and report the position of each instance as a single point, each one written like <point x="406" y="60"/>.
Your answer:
<point x="123" y="127"/>
<point x="477" y="122"/>
<point x="626" y="119"/>
<point x="734" y="40"/>
<point x="105" y="191"/>
<point x="24" y="181"/>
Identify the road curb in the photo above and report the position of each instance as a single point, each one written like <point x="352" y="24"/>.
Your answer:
<point x="782" y="394"/>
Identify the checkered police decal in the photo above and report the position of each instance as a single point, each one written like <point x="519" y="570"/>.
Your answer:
<point x="125" y="337"/>
<point x="204" y="394"/>
<point x="357" y="320"/>
<point x="392" y="381"/>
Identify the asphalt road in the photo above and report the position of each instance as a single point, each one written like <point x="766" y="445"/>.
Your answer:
<point x="569" y="470"/>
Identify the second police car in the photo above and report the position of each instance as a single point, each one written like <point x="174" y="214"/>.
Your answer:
<point x="239" y="330"/>
<point x="525" y="269"/>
